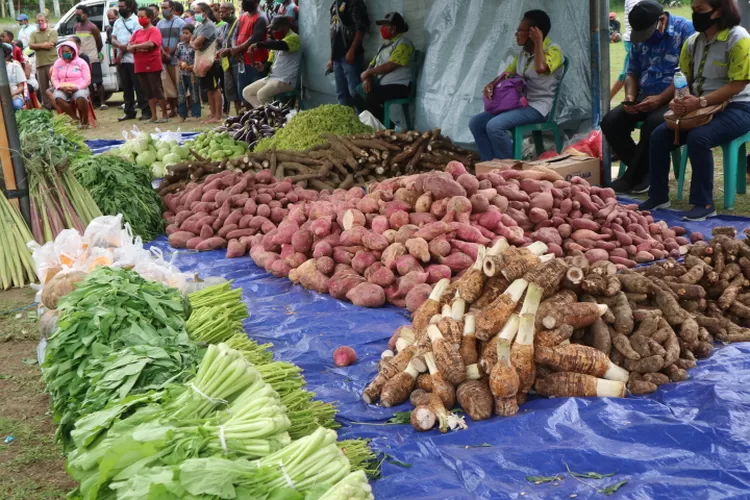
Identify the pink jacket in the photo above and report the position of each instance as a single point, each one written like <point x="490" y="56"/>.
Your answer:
<point x="75" y="71"/>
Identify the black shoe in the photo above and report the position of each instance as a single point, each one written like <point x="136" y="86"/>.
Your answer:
<point x="699" y="213"/>
<point x="621" y="186"/>
<point x="653" y="204"/>
<point x="126" y="117"/>
<point x="641" y="187"/>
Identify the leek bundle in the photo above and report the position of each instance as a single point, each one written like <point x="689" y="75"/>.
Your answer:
<point x="16" y="265"/>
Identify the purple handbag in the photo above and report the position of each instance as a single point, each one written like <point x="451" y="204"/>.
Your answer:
<point x="509" y="94"/>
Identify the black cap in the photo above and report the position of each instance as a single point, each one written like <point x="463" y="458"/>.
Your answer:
<point x="643" y="20"/>
<point x="396" y="20"/>
<point x="280" y="22"/>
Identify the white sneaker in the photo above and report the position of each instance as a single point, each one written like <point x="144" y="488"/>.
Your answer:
<point x="103" y="107"/>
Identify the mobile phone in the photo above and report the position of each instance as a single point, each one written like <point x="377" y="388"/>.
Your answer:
<point x="630" y="103"/>
<point x="328" y="72"/>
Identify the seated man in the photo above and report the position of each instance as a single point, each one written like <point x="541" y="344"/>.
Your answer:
<point x="16" y="78"/>
<point x="284" y="62"/>
<point x="657" y="39"/>
<point x="614" y="28"/>
<point x="71" y="77"/>
<point x="389" y="74"/>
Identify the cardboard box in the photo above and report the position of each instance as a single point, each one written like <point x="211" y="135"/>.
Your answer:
<point x="568" y="166"/>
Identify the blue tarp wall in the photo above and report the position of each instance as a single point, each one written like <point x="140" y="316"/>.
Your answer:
<point x="687" y="440"/>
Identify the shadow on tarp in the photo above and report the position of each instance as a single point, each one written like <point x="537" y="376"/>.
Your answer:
<point x="687" y="440"/>
<point x="99" y="146"/>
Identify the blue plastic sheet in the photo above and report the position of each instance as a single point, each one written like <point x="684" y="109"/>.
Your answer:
<point x="99" y="146"/>
<point x="687" y="440"/>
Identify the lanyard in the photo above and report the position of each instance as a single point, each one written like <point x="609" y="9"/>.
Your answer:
<point x="700" y="80"/>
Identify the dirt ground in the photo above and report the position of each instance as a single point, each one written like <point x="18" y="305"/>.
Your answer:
<point x="32" y="464"/>
<point x="107" y="126"/>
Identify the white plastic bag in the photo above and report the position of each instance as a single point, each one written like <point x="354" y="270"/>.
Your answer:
<point x="369" y="119"/>
<point x="104" y="232"/>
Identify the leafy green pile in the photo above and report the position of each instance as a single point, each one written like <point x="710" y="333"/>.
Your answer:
<point x="100" y="349"/>
<point x="303" y="131"/>
<point x="60" y="125"/>
<point x="122" y="187"/>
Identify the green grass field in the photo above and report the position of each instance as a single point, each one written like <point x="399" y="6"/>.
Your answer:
<point x="617" y="59"/>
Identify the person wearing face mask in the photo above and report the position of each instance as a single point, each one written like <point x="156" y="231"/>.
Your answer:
<point x="171" y="29"/>
<point x="92" y="45"/>
<point x="145" y="44"/>
<point x="717" y="66"/>
<point x="389" y="74"/>
<point x="540" y="63"/>
<point x="657" y="37"/>
<point x="16" y="78"/>
<point x="252" y="28"/>
<point x="122" y="31"/>
<point x="229" y="65"/>
<point x="283" y="62"/>
<point x="71" y="77"/>
<point x="25" y="30"/>
<point x="43" y="42"/>
<point x="204" y="37"/>
<point x="154" y="8"/>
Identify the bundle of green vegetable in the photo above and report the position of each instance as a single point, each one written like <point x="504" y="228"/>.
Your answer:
<point x="99" y="351"/>
<point x="303" y="131"/>
<point x="155" y="154"/>
<point x="16" y="265"/>
<point x="216" y="146"/>
<point x="58" y="201"/>
<point x="121" y="187"/>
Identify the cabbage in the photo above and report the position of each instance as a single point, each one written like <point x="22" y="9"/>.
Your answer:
<point x="170" y="159"/>
<point x="181" y="151"/>
<point x="161" y="153"/>
<point x="158" y="170"/>
<point x="141" y="144"/>
<point x="145" y="158"/>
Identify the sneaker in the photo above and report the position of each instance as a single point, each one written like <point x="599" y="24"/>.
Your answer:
<point x="126" y="117"/>
<point x="699" y="213"/>
<point x="652" y="204"/>
<point x="641" y="187"/>
<point x="103" y="107"/>
<point x="621" y="186"/>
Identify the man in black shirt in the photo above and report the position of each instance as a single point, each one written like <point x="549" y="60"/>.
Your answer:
<point x="349" y="23"/>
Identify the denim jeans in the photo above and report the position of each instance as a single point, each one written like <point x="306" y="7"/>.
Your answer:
<point x="731" y="123"/>
<point x="18" y="103"/>
<point x="492" y="133"/>
<point x="251" y="75"/>
<point x="348" y="77"/>
<point x="188" y="83"/>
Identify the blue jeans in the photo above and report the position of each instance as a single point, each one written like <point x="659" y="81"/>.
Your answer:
<point x="188" y="83"/>
<point x="18" y="103"/>
<point x="492" y="133"/>
<point x="730" y="124"/>
<point x="251" y="75"/>
<point x="348" y="77"/>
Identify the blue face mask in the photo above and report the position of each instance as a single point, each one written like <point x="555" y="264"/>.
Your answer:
<point x="656" y="37"/>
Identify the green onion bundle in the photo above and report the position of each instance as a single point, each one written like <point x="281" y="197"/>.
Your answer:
<point x="16" y="265"/>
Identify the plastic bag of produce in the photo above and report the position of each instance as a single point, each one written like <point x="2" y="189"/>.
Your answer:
<point x="46" y="261"/>
<point x="104" y="232"/>
<point x="369" y="119"/>
<point x="68" y="246"/>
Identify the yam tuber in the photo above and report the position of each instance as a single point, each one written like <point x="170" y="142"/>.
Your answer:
<point x="504" y="381"/>
<point x="397" y="389"/>
<point x="430" y="307"/>
<point x="580" y="359"/>
<point x="447" y="358"/>
<point x="492" y="318"/>
<point x="565" y="384"/>
<point x="468" y="349"/>
<point x="578" y="315"/>
<point x="475" y="398"/>
<point x="522" y="356"/>
<point x="440" y="387"/>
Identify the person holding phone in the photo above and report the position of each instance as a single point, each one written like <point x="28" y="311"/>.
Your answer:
<point x="657" y="37"/>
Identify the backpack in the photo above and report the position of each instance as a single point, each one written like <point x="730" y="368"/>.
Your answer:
<point x="509" y="94"/>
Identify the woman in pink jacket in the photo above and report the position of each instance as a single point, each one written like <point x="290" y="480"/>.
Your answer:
<point x="71" y="77"/>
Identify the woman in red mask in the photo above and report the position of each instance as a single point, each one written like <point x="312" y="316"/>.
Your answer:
<point x="283" y="63"/>
<point x="389" y="75"/>
<point x="145" y="44"/>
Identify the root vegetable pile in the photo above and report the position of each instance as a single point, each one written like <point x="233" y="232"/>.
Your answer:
<point x="256" y="124"/>
<point x="563" y="327"/>
<point x="339" y="162"/>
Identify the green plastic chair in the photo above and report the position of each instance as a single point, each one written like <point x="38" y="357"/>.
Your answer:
<point x="295" y="95"/>
<point x="538" y="128"/>
<point x="677" y="155"/>
<point x="406" y="103"/>
<point x="734" y="176"/>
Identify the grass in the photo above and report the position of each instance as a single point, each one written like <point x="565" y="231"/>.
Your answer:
<point x="617" y="60"/>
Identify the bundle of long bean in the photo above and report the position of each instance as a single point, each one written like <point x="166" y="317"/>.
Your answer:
<point x="16" y="265"/>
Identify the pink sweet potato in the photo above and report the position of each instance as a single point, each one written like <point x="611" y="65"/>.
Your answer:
<point x="409" y="281"/>
<point x="406" y="264"/>
<point x="433" y="230"/>
<point x="374" y="241"/>
<point x="302" y="240"/>
<point x="490" y="219"/>
<point x="585" y="224"/>
<point x="263" y="210"/>
<point x="547" y="235"/>
<point x="351" y="218"/>
<point x="394" y="206"/>
<point x="342" y="256"/>
<point x="416" y="296"/>
<point x="643" y="256"/>
<point x="322" y="249"/>
<point x="621" y="261"/>
<point x="596" y="254"/>
<point x="469" y="183"/>
<point x="455" y="168"/>
<point x="420" y="219"/>
<point x="321" y="227"/>
<point x="439" y="248"/>
<point x="380" y="224"/>
<point x="353" y="236"/>
<point x="193" y="242"/>
<point x="419" y="249"/>
<point x="362" y="260"/>
<point x="468" y="233"/>
<point x="436" y="272"/>
<point x="296" y="259"/>
<point x="543" y="201"/>
<point x="424" y="202"/>
<point x="398" y="218"/>
<point x="439" y="208"/>
<point x="325" y="265"/>
<point x="537" y="215"/>
<point x="405" y="233"/>
<point x="206" y="232"/>
<point x="457" y="261"/>
<point x="179" y="239"/>
<point x="342" y="282"/>
<point x="211" y="244"/>
<point x="383" y="276"/>
<point x="368" y="206"/>
<point x="555" y="249"/>
<point x="366" y="295"/>
<point x="280" y="268"/>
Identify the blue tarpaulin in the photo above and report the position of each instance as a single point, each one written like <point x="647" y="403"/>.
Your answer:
<point x="99" y="146"/>
<point x="687" y="440"/>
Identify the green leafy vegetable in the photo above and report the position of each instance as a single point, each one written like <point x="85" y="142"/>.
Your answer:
<point x="543" y="479"/>
<point x="611" y="490"/>
<point x="122" y="187"/>
<point x="592" y="475"/>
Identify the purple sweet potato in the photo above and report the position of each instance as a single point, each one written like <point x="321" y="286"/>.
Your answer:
<point x="325" y="265"/>
<point x="409" y="281"/>
<point x="374" y="241"/>
<point x="416" y="296"/>
<point x="382" y="276"/>
<point x="457" y="261"/>
<point x="362" y="260"/>
<point x="439" y="248"/>
<point x="406" y="264"/>
<point x="405" y="233"/>
<point x="440" y="186"/>
<point x="322" y="249"/>
<point x="419" y="249"/>
<point x="235" y="249"/>
<point x="398" y="219"/>
<point x="436" y="272"/>
<point x="391" y="254"/>
<point x="380" y="224"/>
<point x="367" y="295"/>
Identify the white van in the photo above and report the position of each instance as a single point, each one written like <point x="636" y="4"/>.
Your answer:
<point x="97" y="14"/>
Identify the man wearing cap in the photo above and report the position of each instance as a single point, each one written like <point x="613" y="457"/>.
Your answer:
<point x="283" y="60"/>
<point x="389" y="74"/>
<point x="26" y="29"/>
<point x="657" y="37"/>
<point x="614" y="28"/>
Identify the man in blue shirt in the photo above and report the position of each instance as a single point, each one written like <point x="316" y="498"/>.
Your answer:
<point x="657" y="37"/>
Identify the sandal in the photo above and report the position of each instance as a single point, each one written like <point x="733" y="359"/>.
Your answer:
<point x="161" y="120"/>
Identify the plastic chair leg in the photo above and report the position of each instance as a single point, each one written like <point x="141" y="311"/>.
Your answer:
<point x="517" y="144"/>
<point x="387" y="115"/>
<point x="557" y="137"/>
<point x="730" y="173"/>
<point x="538" y="142"/>
<point x="681" y="177"/>
<point x="622" y="170"/>
<point x="676" y="159"/>
<point x="407" y="116"/>
<point x="742" y="169"/>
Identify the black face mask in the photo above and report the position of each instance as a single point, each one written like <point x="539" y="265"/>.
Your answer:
<point x="702" y="21"/>
<point x="79" y="18"/>
<point x="125" y="13"/>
